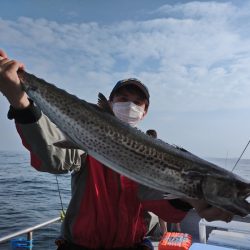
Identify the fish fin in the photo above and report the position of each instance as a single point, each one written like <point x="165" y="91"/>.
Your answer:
<point x="104" y="104"/>
<point x="152" y="133"/>
<point x="66" y="144"/>
<point x="180" y="148"/>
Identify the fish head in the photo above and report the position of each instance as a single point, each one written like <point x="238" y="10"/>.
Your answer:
<point x="228" y="195"/>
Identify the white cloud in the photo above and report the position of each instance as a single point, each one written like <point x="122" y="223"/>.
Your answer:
<point x="188" y="56"/>
<point x="199" y="10"/>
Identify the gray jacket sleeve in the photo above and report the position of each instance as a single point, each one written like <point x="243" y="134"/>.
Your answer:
<point x="38" y="135"/>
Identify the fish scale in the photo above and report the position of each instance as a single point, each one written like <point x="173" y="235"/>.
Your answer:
<point x="132" y="153"/>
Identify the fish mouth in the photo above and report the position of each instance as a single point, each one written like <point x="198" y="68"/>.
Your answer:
<point x="245" y="198"/>
<point x="248" y="199"/>
<point x="236" y="205"/>
<point x="240" y="207"/>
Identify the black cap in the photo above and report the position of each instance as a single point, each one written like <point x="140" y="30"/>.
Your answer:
<point x="130" y="81"/>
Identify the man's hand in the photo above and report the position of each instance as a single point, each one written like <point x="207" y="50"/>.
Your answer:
<point x="209" y="212"/>
<point x="9" y="82"/>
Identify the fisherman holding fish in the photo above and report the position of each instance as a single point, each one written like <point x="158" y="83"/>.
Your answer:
<point x="105" y="211"/>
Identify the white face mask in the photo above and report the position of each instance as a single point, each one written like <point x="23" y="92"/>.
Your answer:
<point x="128" y="112"/>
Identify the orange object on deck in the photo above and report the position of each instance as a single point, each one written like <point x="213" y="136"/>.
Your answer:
<point x="175" y="241"/>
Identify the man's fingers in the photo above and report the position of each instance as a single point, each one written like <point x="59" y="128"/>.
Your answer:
<point x="11" y="65"/>
<point x="210" y="213"/>
<point x="14" y="65"/>
<point x="214" y="213"/>
<point x="199" y="205"/>
<point x="3" y="54"/>
<point x="3" y="61"/>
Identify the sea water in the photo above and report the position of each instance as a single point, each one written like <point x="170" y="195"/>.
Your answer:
<point x="29" y="197"/>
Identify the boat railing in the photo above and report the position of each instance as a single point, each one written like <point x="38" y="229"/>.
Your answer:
<point x="29" y="231"/>
<point x="234" y="225"/>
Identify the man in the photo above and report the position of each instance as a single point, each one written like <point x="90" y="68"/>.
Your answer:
<point x="105" y="209"/>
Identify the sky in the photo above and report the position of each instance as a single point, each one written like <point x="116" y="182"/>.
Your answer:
<point x="194" y="56"/>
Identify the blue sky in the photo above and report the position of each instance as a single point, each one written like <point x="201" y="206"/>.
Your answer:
<point x="193" y="55"/>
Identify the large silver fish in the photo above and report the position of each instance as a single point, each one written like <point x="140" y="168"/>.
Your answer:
<point x="134" y="154"/>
